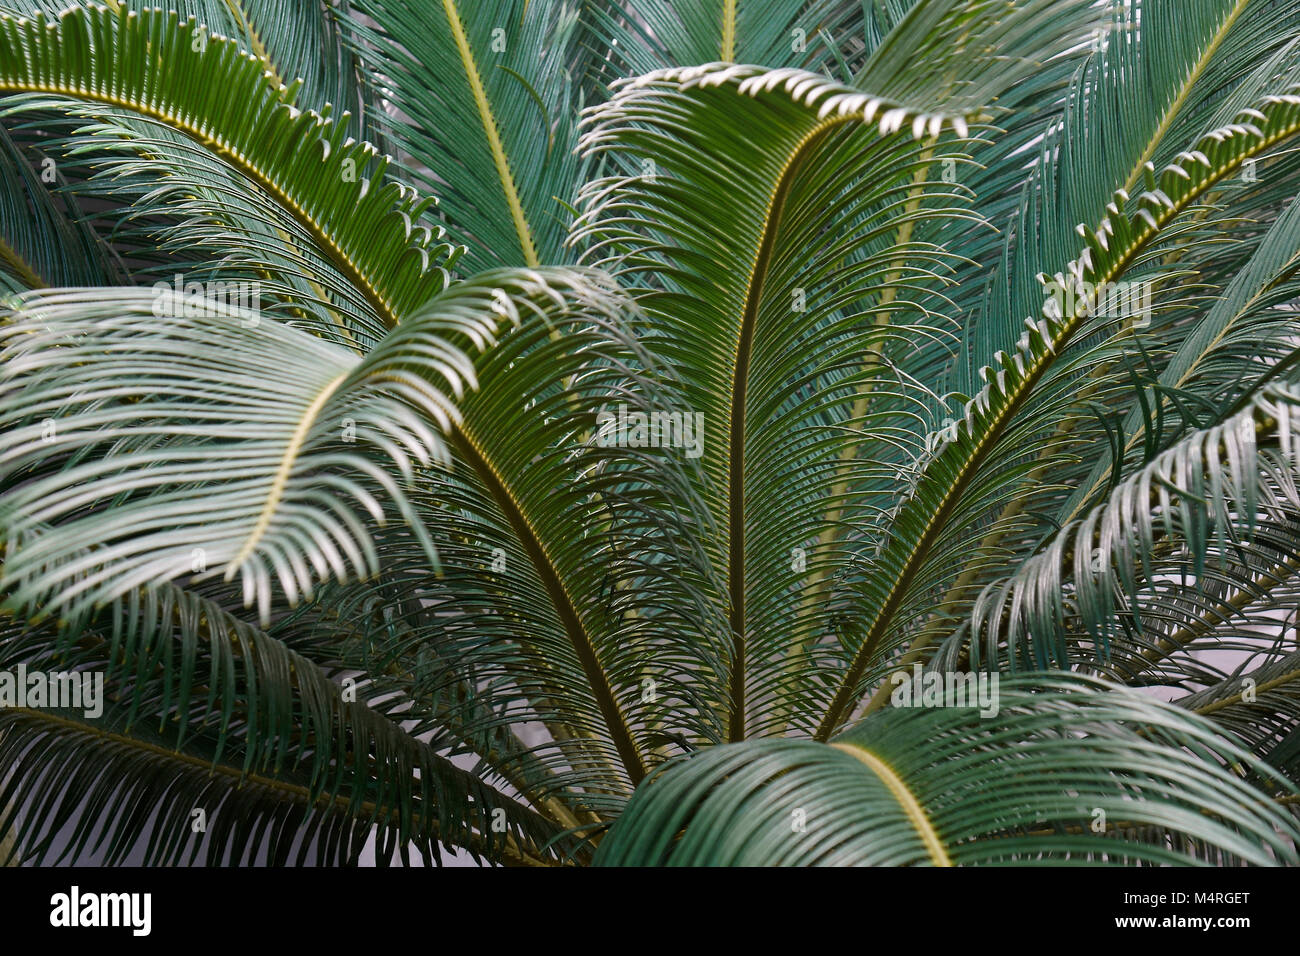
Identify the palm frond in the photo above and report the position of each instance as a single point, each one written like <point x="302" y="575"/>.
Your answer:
<point x="943" y="498"/>
<point x="736" y="338"/>
<point x="206" y="87"/>
<point x="1071" y="772"/>
<point x="1201" y="499"/>
<point x="285" y="501"/>
<point x="641" y="36"/>
<point x="571" y="567"/>
<point x="483" y="103"/>
<point x="187" y="684"/>
<point x="43" y="240"/>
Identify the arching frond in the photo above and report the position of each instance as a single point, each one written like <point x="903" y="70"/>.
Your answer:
<point x="480" y="96"/>
<point x="736" y="338"/>
<point x="287" y="427"/>
<point x="204" y="86"/>
<point x="1071" y="772"/>
<point x="42" y="242"/>
<point x="947" y="494"/>
<point x="215" y="707"/>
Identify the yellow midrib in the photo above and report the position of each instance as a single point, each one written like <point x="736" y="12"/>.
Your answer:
<point x="996" y="423"/>
<point x="548" y="568"/>
<point x="729" y="30"/>
<point x="281" y="480"/>
<point x="1266" y="686"/>
<point x="490" y="130"/>
<point x="1184" y="92"/>
<point x="906" y="800"/>
<point x="254" y="39"/>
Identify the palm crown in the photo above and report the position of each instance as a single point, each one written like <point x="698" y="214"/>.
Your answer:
<point x="761" y="364"/>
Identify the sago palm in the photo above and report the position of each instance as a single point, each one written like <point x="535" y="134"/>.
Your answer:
<point x="765" y="372"/>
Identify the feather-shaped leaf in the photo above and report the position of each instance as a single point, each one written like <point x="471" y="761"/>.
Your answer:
<point x="1071" y="771"/>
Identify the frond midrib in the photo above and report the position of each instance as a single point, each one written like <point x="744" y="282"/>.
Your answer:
<point x="492" y="132"/>
<point x="21" y="267"/>
<point x="220" y="147"/>
<point x="1184" y="91"/>
<point x="1281" y="680"/>
<point x="561" y="599"/>
<point x="728" y="44"/>
<point x="275" y="494"/>
<point x="907" y="800"/>
<point x="736" y="512"/>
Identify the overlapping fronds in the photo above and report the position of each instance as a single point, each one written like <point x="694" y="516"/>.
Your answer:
<point x="830" y="281"/>
<point x="240" y="733"/>
<point x="1194" y="505"/>
<point x="1069" y="772"/>
<point x="481" y="98"/>
<point x="570" y="562"/>
<point x="285" y="425"/>
<point x="848" y="362"/>
<point x="41" y="243"/>
<point x="1212" y="60"/>
<point x="956" y="482"/>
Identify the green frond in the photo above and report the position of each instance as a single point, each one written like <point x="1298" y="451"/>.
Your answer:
<point x="732" y="335"/>
<point x="187" y="685"/>
<point x="179" y="209"/>
<point x="73" y="770"/>
<point x="846" y="274"/>
<point x="43" y="240"/>
<point x="569" y="562"/>
<point x="1240" y="314"/>
<point x="1200" y="499"/>
<point x="1260" y="707"/>
<point x="842" y="399"/>
<point x="1070" y="772"/>
<point x="945" y="476"/>
<point x="641" y="36"/>
<point x="205" y="87"/>
<point x="1211" y="61"/>
<point x="284" y="502"/>
<point x="480" y="97"/>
